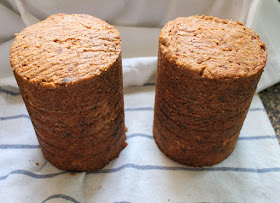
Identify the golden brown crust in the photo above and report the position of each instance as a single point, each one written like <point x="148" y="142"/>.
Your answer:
<point x="218" y="48"/>
<point x="200" y="105"/>
<point x="69" y="71"/>
<point x="65" y="49"/>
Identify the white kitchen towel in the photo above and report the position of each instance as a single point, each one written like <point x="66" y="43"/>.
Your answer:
<point x="142" y="173"/>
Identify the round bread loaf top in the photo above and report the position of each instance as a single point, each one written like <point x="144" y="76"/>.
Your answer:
<point x="65" y="49"/>
<point x="213" y="48"/>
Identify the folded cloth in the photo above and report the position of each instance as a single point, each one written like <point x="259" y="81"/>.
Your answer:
<point x="137" y="71"/>
<point x="140" y="32"/>
<point x="142" y="173"/>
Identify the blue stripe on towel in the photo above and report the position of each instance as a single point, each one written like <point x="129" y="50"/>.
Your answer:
<point x="262" y="137"/>
<point x="127" y="109"/>
<point x="257" y="109"/>
<point x="139" y="135"/>
<point x="152" y="108"/>
<point x="149" y="168"/>
<point x="174" y="168"/>
<point x="14" y="117"/>
<point x="19" y="146"/>
<point x="27" y="146"/>
<point x="30" y="174"/>
<point x="9" y="92"/>
<point x="122" y="202"/>
<point x="27" y="116"/>
<point x="61" y="196"/>
<point x="140" y="109"/>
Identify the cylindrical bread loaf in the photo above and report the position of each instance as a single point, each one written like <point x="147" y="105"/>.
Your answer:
<point x="69" y="71"/>
<point x="208" y="70"/>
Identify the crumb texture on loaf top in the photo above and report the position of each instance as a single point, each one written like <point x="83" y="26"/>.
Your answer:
<point x="212" y="47"/>
<point x="65" y="49"/>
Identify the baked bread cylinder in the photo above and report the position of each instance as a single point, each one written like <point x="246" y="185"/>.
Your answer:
<point x="208" y="70"/>
<point x="69" y="71"/>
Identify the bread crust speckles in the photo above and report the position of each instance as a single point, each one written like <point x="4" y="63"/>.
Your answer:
<point x="208" y="69"/>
